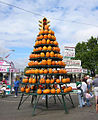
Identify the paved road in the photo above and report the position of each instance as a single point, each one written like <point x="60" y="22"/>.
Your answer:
<point x="8" y="110"/>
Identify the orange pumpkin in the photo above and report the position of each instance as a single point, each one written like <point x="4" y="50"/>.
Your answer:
<point x="46" y="91"/>
<point x="44" y="48"/>
<point x="49" y="62"/>
<point x="55" y="71"/>
<point x="64" y="71"/>
<point x="34" y="50"/>
<point x="69" y="89"/>
<point x="50" y="32"/>
<point x="42" y="80"/>
<point x="45" y="71"/>
<point x="40" y="48"/>
<point x="55" y="42"/>
<point x="32" y="87"/>
<point x="36" y="63"/>
<point x="51" y="54"/>
<point x="45" y="36"/>
<point x="44" y="62"/>
<point x="36" y="55"/>
<point x="51" y="42"/>
<point x="43" y="41"/>
<point x="41" y="71"/>
<point x="22" y="89"/>
<point x="65" y="90"/>
<point x="30" y="80"/>
<point x="27" y="90"/>
<point x="52" y="81"/>
<point x="38" y="38"/>
<point x="42" y="54"/>
<point x="40" y="42"/>
<point x="48" y="41"/>
<point x="54" y="38"/>
<point x="41" y="36"/>
<point x="54" y="49"/>
<point x="60" y="71"/>
<point x="46" y="27"/>
<point x="41" y="31"/>
<point x="49" y="48"/>
<point x="47" y="54"/>
<point x="58" y="91"/>
<point x="53" y="91"/>
<point x="68" y="79"/>
<point x="57" y="80"/>
<point x="25" y="80"/>
<point x="64" y="80"/>
<point x="55" y="55"/>
<point x="32" y="71"/>
<point x="49" y="36"/>
<point x="47" y="81"/>
<point x="36" y="43"/>
<point x="36" y="71"/>
<point x="45" y="31"/>
<point x="53" y="63"/>
<point x="60" y="63"/>
<point x="50" y="70"/>
<point x="33" y="80"/>
<point x="33" y="55"/>
<point x="39" y="91"/>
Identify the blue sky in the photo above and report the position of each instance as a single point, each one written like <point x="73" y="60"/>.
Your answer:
<point x="18" y="29"/>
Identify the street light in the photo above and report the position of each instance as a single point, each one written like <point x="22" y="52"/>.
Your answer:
<point x="9" y="54"/>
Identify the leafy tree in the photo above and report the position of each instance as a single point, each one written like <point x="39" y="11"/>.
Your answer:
<point x="87" y="52"/>
<point x="26" y="69"/>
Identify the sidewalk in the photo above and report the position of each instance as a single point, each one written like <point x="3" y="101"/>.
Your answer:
<point x="8" y="110"/>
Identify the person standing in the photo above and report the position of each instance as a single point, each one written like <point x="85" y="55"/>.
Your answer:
<point x="89" y="84"/>
<point x="4" y="86"/>
<point x="80" y="85"/>
<point x="16" y="86"/>
<point x="95" y="84"/>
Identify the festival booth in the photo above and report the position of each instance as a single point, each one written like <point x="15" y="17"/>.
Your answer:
<point x="7" y="70"/>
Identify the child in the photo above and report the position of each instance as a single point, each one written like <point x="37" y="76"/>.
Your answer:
<point x="88" y="96"/>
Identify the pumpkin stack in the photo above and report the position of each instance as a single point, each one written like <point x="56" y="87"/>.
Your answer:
<point x="46" y="71"/>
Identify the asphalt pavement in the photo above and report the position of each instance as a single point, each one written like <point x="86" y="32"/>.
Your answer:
<point x="9" y="111"/>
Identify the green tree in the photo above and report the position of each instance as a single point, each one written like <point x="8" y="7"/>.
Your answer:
<point x="87" y="52"/>
<point x="25" y="69"/>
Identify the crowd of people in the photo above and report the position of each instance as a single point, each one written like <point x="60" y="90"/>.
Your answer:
<point x="85" y="92"/>
<point x="84" y="87"/>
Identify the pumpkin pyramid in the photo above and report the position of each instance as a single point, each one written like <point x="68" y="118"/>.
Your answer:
<point x="46" y="71"/>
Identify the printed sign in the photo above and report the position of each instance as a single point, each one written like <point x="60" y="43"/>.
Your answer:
<point x="69" y="52"/>
<point x="74" y="70"/>
<point x="72" y="62"/>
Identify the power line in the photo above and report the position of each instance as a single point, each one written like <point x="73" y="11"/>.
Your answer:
<point x="21" y="8"/>
<point x="43" y="15"/>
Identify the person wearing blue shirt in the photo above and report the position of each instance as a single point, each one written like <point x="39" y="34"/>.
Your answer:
<point x="16" y="86"/>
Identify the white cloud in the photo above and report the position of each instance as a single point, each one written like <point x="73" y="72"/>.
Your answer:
<point x="19" y="28"/>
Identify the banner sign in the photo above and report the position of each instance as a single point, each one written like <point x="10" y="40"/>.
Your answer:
<point x="69" y="52"/>
<point x="72" y="62"/>
<point x="74" y="70"/>
<point x="13" y="70"/>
